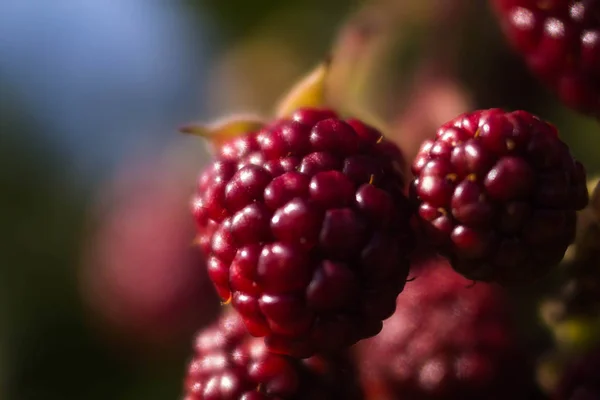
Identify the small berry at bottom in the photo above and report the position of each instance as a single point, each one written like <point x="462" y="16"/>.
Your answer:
<point x="229" y="364"/>
<point x="447" y="340"/>
<point x="498" y="193"/>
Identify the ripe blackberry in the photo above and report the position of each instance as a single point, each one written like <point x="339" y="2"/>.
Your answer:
<point x="229" y="364"/>
<point x="446" y="340"/>
<point x="498" y="193"/>
<point x="560" y="40"/>
<point x="581" y="381"/>
<point x="306" y="230"/>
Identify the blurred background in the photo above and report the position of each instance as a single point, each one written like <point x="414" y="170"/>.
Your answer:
<point x="100" y="288"/>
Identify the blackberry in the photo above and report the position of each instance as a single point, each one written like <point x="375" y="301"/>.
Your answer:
<point x="446" y="340"/>
<point x="229" y="364"/>
<point x="560" y="41"/>
<point x="498" y="194"/>
<point x="306" y="230"/>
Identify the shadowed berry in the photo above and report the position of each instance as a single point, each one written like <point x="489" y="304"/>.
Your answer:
<point x="229" y="364"/>
<point x="446" y="340"/>
<point x="560" y="41"/>
<point x="581" y="381"/>
<point x="307" y="230"/>
<point x="502" y="206"/>
<point x="578" y="297"/>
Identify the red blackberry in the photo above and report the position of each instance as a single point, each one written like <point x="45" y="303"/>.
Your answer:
<point x="229" y="364"/>
<point x="306" y="230"/>
<point x="498" y="193"/>
<point x="446" y="340"/>
<point x="560" y="40"/>
<point x="581" y="381"/>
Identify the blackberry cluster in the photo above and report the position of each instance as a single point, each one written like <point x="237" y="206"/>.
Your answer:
<point x="308" y="234"/>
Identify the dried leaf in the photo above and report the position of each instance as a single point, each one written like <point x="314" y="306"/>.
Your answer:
<point x="310" y="91"/>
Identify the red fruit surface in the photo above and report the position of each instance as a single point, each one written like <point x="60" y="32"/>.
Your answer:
<point x="229" y="364"/>
<point x="448" y="339"/>
<point x="306" y="230"/>
<point x="560" y="41"/>
<point x="498" y="193"/>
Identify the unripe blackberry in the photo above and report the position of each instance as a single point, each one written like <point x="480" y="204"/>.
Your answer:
<point x="498" y="194"/>
<point x="229" y="364"/>
<point x="560" y="41"/>
<point x="448" y="339"/>
<point x="306" y="230"/>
